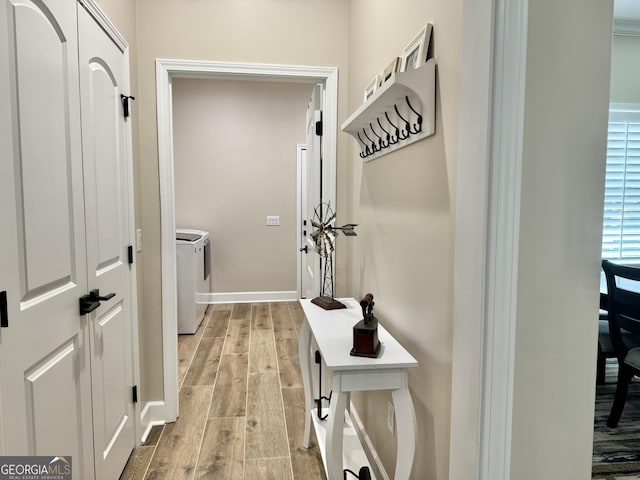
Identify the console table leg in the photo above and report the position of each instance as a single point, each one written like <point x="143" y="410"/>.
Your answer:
<point x="405" y="432"/>
<point x="304" y="344"/>
<point x="335" y="432"/>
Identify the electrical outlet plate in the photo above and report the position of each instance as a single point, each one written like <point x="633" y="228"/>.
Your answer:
<point x="273" y="220"/>
<point x="390" y="417"/>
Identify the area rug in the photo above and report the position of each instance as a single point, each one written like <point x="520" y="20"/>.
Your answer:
<point x="616" y="451"/>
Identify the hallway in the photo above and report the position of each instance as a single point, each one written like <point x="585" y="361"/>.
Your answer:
<point x="241" y="402"/>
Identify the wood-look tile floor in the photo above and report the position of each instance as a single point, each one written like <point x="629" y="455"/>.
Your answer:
<point x="241" y="402"/>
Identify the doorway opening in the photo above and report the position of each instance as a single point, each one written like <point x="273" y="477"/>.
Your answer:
<point x="166" y="71"/>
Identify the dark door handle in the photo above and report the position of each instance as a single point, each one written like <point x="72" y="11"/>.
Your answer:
<point x="305" y="249"/>
<point x="4" y="316"/>
<point x="95" y="296"/>
<point x="87" y="304"/>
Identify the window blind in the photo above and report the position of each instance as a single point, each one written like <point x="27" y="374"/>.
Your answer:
<point x="621" y="222"/>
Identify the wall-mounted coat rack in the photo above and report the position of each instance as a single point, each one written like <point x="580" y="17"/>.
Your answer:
<point x="400" y="112"/>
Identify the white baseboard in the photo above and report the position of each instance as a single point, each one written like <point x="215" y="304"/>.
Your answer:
<point x="152" y="414"/>
<point x="247" y="297"/>
<point x="367" y="445"/>
<point x="147" y="431"/>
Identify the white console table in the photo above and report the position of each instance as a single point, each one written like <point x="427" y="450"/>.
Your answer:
<point x="332" y="332"/>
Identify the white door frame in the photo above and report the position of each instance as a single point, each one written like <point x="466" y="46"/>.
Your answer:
<point x="487" y="222"/>
<point x="166" y="71"/>
<point x="301" y="192"/>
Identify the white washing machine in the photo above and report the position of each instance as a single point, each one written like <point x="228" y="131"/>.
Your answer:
<point x="193" y="252"/>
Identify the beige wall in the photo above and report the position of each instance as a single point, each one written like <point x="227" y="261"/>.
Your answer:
<point x="234" y="164"/>
<point x="220" y="30"/>
<point x="405" y="204"/>
<point x="625" y="69"/>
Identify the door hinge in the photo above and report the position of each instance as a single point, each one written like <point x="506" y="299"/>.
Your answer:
<point x="125" y="104"/>
<point x="134" y="393"/>
<point x="130" y="253"/>
<point x="4" y="316"/>
<point x="319" y="128"/>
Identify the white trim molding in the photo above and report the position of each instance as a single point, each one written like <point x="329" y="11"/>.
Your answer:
<point x="99" y="16"/>
<point x="506" y="151"/>
<point x="301" y="188"/>
<point x="152" y="414"/>
<point x="166" y="71"/>
<point x="487" y="237"/>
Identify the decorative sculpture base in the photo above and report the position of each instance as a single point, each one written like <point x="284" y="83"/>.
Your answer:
<point x="365" y="339"/>
<point x="328" y="303"/>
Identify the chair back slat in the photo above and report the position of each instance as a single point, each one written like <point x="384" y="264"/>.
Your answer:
<point x="623" y="291"/>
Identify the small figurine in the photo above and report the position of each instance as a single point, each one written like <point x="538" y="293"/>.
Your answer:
<point x="365" y="332"/>
<point x="367" y="304"/>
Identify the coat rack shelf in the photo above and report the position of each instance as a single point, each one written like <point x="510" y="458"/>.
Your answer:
<point x="400" y="112"/>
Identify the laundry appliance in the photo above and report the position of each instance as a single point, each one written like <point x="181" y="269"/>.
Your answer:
<point x="193" y="263"/>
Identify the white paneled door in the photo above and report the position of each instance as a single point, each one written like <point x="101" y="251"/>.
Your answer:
<point x="65" y="377"/>
<point x="104" y="145"/>
<point x="44" y="359"/>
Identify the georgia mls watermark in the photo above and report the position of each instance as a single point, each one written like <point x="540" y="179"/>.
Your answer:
<point x="35" y="468"/>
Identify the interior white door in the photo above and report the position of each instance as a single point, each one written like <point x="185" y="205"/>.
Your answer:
<point x="44" y="363"/>
<point x="314" y="187"/>
<point x="105" y="159"/>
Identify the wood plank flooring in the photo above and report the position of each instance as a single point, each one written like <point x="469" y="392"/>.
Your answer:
<point x="241" y="402"/>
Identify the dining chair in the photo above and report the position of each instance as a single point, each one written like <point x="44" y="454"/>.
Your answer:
<point x="605" y="348"/>
<point x="623" y="305"/>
